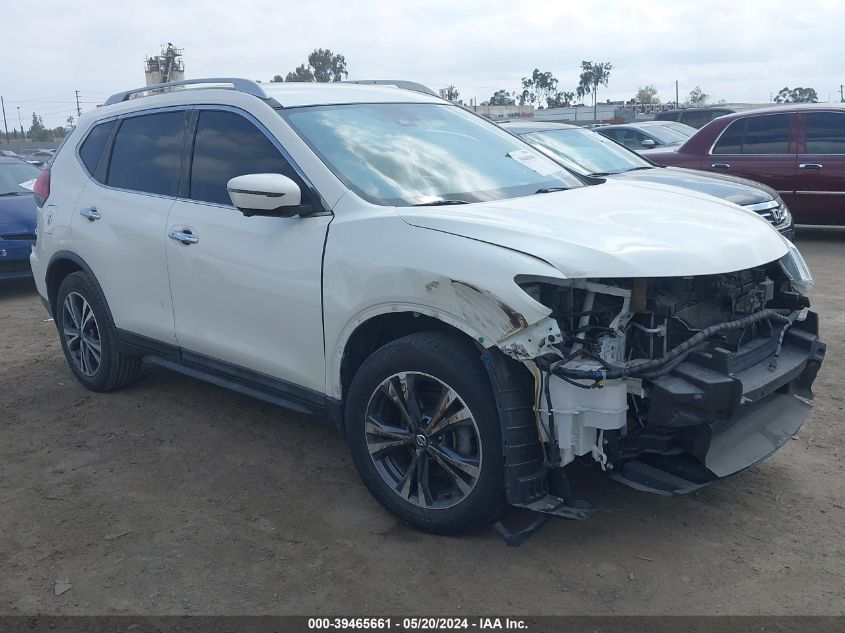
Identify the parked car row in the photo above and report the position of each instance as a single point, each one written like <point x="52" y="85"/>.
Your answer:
<point x="474" y="314"/>
<point x="589" y="153"/>
<point x="37" y="157"/>
<point x="797" y="150"/>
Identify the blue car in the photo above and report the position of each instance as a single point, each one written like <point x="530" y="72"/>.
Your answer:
<point x="17" y="217"/>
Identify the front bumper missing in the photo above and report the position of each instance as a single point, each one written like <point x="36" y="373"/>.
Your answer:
<point x="718" y="414"/>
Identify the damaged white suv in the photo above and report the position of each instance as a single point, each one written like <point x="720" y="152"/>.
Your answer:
<point x="472" y="316"/>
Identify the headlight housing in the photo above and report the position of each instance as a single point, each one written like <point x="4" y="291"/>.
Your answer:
<point x="796" y="268"/>
<point x="783" y="215"/>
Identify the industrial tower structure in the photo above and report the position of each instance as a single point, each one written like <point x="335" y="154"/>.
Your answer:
<point x="168" y="66"/>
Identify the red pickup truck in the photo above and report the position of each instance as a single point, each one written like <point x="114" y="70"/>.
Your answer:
<point x="797" y="149"/>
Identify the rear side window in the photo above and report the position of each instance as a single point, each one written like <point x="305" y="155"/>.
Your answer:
<point x="767" y="134"/>
<point x="147" y="153"/>
<point x="824" y="133"/>
<point x="93" y="145"/>
<point x="228" y="145"/>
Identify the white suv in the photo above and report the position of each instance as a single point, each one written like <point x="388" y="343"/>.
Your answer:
<point x="471" y="315"/>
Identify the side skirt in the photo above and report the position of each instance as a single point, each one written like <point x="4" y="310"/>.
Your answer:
<point x="224" y="374"/>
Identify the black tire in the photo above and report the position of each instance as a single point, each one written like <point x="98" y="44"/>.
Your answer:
<point x="444" y="361"/>
<point x="114" y="369"/>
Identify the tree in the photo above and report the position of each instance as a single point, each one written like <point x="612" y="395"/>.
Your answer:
<point x="593" y="75"/>
<point x="502" y="98"/>
<point x="539" y="87"/>
<point x="37" y="131"/>
<point x="560" y="100"/>
<point x="647" y="95"/>
<point x="327" y="66"/>
<point x="302" y="73"/>
<point x="797" y="95"/>
<point x="277" y="79"/>
<point x="697" y="97"/>
<point x="452" y="93"/>
<point x="323" y="66"/>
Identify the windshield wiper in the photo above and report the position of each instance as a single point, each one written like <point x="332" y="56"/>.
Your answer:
<point x="602" y="174"/>
<point x="551" y="189"/>
<point x="435" y="203"/>
<point x="13" y="193"/>
<point x="637" y="168"/>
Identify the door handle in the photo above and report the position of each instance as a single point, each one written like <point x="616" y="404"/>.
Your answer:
<point x="91" y="213"/>
<point x="720" y="165"/>
<point x="185" y="236"/>
<point x="810" y="166"/>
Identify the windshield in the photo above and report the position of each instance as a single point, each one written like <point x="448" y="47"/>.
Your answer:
<point x="681" y="128"/>
<point x="14" y="175"/>
<point x="404" y="154"/>
<point x="664" y="134"/>
<point x="586" y="152"/>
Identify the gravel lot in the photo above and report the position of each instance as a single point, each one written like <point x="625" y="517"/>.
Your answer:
<point x="178" y="497"/>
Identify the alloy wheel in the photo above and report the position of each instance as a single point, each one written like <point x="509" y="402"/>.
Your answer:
<point x="82" y="336"/>
<point x="423" y="440"/>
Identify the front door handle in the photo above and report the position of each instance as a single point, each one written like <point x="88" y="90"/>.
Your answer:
<point x="91" y="213"/>
<point x="720" y="165"/>
<point x="810" y="166"/>
<point x="186" y="236"/>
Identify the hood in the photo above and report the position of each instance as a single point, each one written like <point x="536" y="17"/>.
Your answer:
<point x="737" y="190"/>
<point x="615" y="229"/>
<point x="17" y="214"/>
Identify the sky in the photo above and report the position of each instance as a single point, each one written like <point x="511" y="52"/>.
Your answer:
<point x="736" y="50"/>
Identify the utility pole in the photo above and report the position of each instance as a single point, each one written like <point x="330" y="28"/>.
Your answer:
<point x="5" y="125"/>
<point x="21" y="122"/>
<point x="78" y="110"/>
<point x="842" y="93"/>
<point x="677" y="99"/>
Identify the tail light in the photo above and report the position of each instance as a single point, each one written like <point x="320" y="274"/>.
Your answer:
<point x="42" y="188"/>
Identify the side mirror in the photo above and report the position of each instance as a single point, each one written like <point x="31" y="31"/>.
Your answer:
<point x="265" y="194"/>
<point x="648" y="143"/>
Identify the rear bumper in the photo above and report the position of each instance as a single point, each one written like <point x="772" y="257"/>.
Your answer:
<point x="717" y="414"/>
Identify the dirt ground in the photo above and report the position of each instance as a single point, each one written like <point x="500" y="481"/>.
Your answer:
<point x="178" y="497"/>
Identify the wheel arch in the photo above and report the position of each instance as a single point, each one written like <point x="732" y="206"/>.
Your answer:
<point x="62" y="264"/>
<point x="381" y="327"/>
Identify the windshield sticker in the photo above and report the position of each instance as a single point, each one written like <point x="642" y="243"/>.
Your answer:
<point x="29" y="184"/>
<point x="535" y="162"/>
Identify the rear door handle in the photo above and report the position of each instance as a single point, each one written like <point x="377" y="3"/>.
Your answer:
<point x="810" y="166"/>
<point x="186" y="236"/>
<point x="91" y="213"/>
<point x="720" y="165"/>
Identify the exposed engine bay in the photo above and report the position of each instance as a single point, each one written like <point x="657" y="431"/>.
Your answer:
<point x="669" y="383"/>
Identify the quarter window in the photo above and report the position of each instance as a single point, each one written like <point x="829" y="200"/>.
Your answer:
<point x="228" y="145"/>
<point x="766" y="134"/>
<point x="824" y="133"/>
<point x="92" y="147"/>
<point x="147" y="153"/>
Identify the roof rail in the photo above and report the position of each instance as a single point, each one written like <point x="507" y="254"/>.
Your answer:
<point x="399" y="83"/>
<point x="241" y="85"/>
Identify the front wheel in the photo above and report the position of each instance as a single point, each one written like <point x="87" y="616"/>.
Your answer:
<point x="424" y="433"/>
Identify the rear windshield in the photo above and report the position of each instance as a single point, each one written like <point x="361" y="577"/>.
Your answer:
<point x="424" y="153"/>
<point x="17" y="178"/>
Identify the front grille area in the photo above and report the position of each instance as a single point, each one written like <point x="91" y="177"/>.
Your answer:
<point x="772" y="211"/>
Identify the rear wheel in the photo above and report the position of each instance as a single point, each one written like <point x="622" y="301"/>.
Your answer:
<point x="88" y="336"/>
<point x="424" y="433"/>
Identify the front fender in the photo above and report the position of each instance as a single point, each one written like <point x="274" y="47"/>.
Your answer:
<point x="463" y="282"/>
